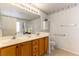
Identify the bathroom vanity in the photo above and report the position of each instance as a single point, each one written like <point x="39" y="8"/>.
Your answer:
<point x="33" y="45"/>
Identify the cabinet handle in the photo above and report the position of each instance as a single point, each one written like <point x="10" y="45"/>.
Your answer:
<point x="35" y="48"/>
<point x="16" y="46"/>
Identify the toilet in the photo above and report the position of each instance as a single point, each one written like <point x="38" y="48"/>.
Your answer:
<point x="51" y="45"/>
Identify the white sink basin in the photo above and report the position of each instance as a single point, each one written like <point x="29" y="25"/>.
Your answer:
<point x="32" y="35"/>
<point x="21" y="38"/>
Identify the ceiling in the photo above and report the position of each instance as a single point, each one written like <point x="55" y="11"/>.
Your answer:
<point x="48" y="8"/>
<point x="52" y="7"/>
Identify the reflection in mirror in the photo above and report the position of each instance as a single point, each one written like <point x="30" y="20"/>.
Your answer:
<point x="15" y="20"/>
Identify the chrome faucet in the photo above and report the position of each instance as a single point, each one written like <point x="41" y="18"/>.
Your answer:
<point x="14" y="36"/>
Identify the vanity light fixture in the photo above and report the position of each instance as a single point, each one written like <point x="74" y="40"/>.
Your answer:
<point x="27" y="7"/>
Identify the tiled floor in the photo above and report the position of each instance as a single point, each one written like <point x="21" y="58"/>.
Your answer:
<point x="60" y="52"/>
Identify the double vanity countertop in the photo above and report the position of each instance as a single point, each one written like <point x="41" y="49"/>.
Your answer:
<point x="7" y="41"/>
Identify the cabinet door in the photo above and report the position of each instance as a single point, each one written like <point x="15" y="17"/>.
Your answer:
<point x="46" y="44"/>
<point x="18" y="51"/>
<point x="26" y="49"/>
<point x="8" y="51"/>
<point x="41" y="46"/>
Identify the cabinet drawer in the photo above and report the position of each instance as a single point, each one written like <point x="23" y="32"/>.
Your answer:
<point x="35" y="43"/>
<point x="35" y="53"/>
<point x="41" y="46"/>
<point x="26" y="43"/>
<point x="35" y="48"/>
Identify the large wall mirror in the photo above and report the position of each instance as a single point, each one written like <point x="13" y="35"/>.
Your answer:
<point x="20" y="19"/>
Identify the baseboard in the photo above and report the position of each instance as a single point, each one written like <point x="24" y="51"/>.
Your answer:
<point x="76" y="53"/>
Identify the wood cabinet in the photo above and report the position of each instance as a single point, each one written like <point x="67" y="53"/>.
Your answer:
<point x="26" y="49"/>
<point x="8" y="51"/>
<point x="41" y="46"/>
<point x="35" y="47"/>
